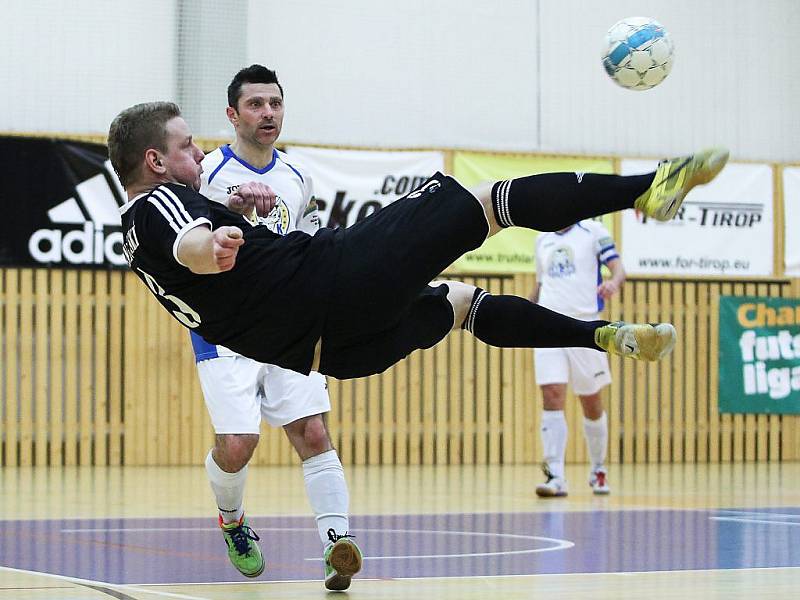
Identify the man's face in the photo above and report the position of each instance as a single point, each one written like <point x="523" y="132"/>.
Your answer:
<point x="258" y="116"/>
<point x="182" y="159"/>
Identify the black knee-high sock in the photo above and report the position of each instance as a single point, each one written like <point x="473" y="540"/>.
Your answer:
<point x="514" y="322"/>
<point x="553" y="201"/>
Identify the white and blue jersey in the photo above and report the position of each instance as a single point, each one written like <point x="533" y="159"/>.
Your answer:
<point x="295" y="208"/>
<point x="568" y="268"/>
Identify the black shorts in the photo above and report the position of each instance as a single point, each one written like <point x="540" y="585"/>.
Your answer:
<point x="386" y="263"/>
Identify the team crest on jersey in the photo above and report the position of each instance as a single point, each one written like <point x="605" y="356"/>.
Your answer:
<point x="562" y="263"/>
<point x="279" y="219"/>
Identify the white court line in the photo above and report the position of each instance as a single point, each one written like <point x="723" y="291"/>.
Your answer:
<point x="762" y="521"/>
<point x="512" y="576"/>
<point x="114" y="586"/>
<point x="559" y="543"/>
<point x="742" y="513"/>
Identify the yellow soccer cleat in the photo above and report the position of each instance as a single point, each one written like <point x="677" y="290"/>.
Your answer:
<point x="643" y="342"/>
<point x="675" y="177"/>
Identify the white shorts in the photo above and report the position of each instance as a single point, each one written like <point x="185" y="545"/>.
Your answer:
<point x="239" y="390"/>
<point x="586" y="369"/>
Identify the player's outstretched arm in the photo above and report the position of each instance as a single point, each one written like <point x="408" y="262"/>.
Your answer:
<point x="205" y="252"/>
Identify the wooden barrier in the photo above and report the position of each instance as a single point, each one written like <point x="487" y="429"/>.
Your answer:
<point x="94" y="372"/>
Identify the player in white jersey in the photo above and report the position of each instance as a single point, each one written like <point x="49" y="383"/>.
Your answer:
<point x="569" y="281"/>
<point x="239" y="390"/>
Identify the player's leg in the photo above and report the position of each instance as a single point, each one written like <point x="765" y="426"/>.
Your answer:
<point x="229" y="389"/>
<point x="590" y="373"/>
<point x="552" y="372"/>
<point x="552" y="201"/>
<point x="515" y="322"/>
<point x="502" y="321"/>
<point x="300" y="405"/>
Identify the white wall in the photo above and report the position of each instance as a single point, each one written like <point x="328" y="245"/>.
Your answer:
<point x="71" y="65"/>
<point x="504" y="75"/>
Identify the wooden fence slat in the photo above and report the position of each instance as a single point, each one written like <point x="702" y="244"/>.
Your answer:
<point x="700" y="370"/>
<point x="692" y="346"/>
<point x="71" y="365"/>
<point x="115" y="366"/>
<point x="12" y="366"/>
<point x="683" y="442"/>
<point x="101" y="373"/>
<point x="666" y="396"/>
<point x="86" y="358"/>
<point x="41" y="392"/>
<point x="374" y="418"/>
<point x="26" y="379"/>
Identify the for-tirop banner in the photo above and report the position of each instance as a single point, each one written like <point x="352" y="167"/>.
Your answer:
<point x="352" y="184"/>
<point x="60" y="202"/>
<point x="759" y="355"/>
<point x="723" y="228"/>
<point x="511" y="251"/>
<point x="791" y="213"/>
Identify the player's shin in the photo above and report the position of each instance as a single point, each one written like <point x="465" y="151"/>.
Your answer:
<point x="514" y="322"/>
<point x="553" y="201"/>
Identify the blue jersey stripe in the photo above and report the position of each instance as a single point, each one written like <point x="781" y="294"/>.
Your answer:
<point x="202" y="349"/>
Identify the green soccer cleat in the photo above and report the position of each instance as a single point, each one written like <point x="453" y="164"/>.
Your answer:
<point x="342" y="560"/>
<point x="643" y="342"/>
<point x="675" y="177"/>
<point x="243" y="550"/>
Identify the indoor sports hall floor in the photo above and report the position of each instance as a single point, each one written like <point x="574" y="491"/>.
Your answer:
<point x="709" y="531"/>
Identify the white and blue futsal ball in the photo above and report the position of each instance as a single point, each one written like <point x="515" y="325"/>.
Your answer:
<point x="638" y="53"/>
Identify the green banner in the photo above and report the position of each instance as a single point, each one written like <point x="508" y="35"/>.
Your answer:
<point x="759" y="355"/>
<point x="511" y="251"/>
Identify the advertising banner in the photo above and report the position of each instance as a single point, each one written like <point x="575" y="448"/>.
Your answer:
<point x="511" y="251"/>
<point x="759" y="355"/>
<point x="791" y="214"/>
<point x="352" y="184"/>
<point x="60" y="202"/>
<point x="723" y="228"/>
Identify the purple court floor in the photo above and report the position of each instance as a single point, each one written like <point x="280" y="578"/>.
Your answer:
<point x="148" y="551"/>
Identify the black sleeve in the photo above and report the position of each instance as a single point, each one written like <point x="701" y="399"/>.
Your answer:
<point x="167" y="214"/>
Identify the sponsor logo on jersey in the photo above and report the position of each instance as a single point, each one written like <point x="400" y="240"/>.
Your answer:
<point x="279" y="219"/>
<point x="562" y="263"/>
<point x="86" y="226"/>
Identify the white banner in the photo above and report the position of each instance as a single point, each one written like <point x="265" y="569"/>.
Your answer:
<point x="723" y="228"/>
<point x="352" y="184"/>
<point x="791" y="214"/>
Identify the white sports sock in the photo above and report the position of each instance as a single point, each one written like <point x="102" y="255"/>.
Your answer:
<point x="228" y="489"/>
<point x="596" y="433"/>
<point x="554" y="440"/>
<point x="327" y="492"/>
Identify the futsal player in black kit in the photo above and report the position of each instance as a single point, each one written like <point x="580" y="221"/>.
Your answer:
<point x="351" y="302"/>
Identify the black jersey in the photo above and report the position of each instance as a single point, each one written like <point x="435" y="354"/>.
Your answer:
<point x="271" y="306"/>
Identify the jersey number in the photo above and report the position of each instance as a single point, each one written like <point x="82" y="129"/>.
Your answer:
<point x="183" y="312"/>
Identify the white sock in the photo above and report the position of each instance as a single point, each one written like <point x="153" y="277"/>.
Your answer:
<point x="554" y="440"/>
<point x="596" y="433"/>
<point x="228" y="489"/>
<point x="327" y="492"/>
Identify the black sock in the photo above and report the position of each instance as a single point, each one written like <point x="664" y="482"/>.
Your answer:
<point x="514" y="322"/>
<point x="553" y="201"/>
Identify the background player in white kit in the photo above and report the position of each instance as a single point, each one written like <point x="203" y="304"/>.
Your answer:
<point x="239" y="390"/>
<point x="569" y="281"/>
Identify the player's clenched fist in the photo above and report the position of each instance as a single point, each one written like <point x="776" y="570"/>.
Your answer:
<point x="227" y="240"/>
<point x="252" y="196"/>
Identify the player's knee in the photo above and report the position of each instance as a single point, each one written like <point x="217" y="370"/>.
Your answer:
<point x="553" y="396"/>
<point x="309" y="436"/>
<point x="459" y="295"/>
<point x="234" y="451"/>
<point x="483" y="192"/>
<point x="316" y="436"/>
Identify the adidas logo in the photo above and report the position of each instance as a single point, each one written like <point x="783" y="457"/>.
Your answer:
<point x="94" y="208"/>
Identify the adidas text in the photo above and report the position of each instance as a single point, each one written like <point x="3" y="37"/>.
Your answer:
<point x="77" y="247"/>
